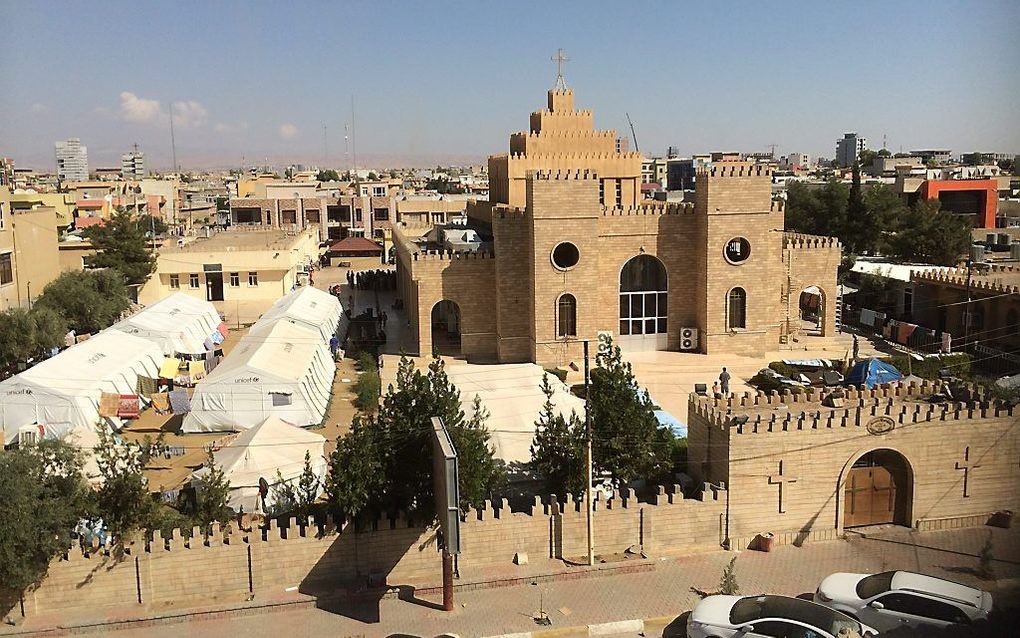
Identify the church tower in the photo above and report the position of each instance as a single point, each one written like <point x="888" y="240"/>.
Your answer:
<point x="741" y="240"/>
<point x="561" y="138"/>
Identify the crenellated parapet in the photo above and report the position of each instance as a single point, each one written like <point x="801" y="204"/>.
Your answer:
<point x="754" y="412"/>
<point x="562" y="175"/>
<point x="452" y="255"/>
<point x="802" y="241"/>
<point x="735" y="169"/>
<point x="994" y="280"/>
<point x="652" y="209"/>
<point x="576" y="158"/>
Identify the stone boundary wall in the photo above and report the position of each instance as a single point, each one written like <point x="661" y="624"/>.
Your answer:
<point x="320" y="559"/>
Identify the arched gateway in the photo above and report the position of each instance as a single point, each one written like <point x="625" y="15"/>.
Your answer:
<point x="878" y="490"/>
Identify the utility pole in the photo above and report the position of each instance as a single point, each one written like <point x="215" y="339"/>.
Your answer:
<point x="588" y="462"/>
<point x="966" y="314"/>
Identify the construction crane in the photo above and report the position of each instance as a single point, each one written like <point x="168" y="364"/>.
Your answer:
<point x="633" y="135"/>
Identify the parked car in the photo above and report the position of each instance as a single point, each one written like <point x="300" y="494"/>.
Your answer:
<point x="770" y="617"/>
<point x="904" y="599"/>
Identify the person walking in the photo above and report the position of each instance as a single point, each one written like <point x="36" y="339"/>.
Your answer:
<point x="857" y="349"/>
<point x="724" y="382"/>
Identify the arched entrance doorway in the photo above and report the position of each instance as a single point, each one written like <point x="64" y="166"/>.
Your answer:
<point x="446" y="328"/>
<point x="878" y="490"/>
<point x="811" y="312"/>
<point x="643" y="304"/>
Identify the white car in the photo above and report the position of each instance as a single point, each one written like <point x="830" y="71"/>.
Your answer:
<point x="770" y="617"/>
<point x="904" y="599"/>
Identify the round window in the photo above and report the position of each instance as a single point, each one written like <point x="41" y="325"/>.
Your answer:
<point x="737" y="250"/>
<point x="565" y="255"/>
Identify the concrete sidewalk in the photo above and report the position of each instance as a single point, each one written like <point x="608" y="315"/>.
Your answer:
<point x="663" y="594"/>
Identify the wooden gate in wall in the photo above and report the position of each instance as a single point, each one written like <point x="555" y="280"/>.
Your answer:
<point x="869" y="497"/>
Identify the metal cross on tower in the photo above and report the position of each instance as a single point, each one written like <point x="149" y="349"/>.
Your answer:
<point x="560" y="58"/>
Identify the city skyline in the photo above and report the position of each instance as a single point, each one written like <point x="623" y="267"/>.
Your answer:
<point x="428" y="88"/>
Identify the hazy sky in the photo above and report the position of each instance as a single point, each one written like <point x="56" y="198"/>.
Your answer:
<point x="435" y="80"/>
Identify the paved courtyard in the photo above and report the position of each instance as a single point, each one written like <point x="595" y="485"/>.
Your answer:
<point x="664" y="589"/>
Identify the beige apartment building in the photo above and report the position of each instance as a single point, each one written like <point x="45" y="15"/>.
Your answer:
<point x="62" y="203"/>
<point x="28" y="252"/>
<point x="242" y="271"/>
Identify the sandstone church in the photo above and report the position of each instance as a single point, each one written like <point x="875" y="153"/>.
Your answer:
<point x="568" y="250"/>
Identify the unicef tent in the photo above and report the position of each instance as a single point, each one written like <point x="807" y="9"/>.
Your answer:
<point x="872" y="372"/>
<point x="62" y="394"/>
<point x="512" y="394"/>
<point x="178" y="324"/>
<point x="310" y="307"/>
<point x="278" y="369"/>
<point x="259" y="453"/>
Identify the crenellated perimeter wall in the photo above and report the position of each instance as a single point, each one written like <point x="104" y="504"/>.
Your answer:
<point x="324" y="561"/>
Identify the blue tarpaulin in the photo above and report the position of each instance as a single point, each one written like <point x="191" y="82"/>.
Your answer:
<point x="665" y="418"/>
<point x="872" y="372"/>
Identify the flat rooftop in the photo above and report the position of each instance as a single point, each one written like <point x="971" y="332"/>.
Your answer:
<point x="232" y="240"/>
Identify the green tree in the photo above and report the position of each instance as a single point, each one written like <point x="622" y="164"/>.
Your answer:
<point x="211" y="498"/>
<point x="368" y="386"/>
<point x="728" y="584"/>
<point x="42" y="497"/>
<point x="372" y="176"/>
<point x="859" y="227"/>
<point x="121" y="244"/>
<point x="355" y="479"/>
<point x="886" y="211"/>
<point x="867" y="157"/>
<point x="298" y="498"/>
<point x="486" y="473"/>
<point x="558" y="449"/>
<point x="328" y="175"/>
<point x="404" y="422"/>
<point x="148" y="224"/>
<point x="88" y="301"/>
<point x="817" y="211"/>
<point x="27" y="333"/>
<point x="123" y="501"/>
<point x="932" y="236"/>
<point x="627" y="440"/>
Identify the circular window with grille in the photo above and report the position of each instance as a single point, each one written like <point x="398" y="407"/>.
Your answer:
<point x="565" y="255"/>
<point x="737" y="250"/>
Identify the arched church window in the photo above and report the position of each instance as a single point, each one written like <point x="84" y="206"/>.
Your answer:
<point x="736" y="315"/>
<point x="643" y="296"/>
<point x="566" y="316"/>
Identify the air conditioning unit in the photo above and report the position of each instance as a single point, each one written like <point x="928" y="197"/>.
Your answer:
<point x="688" y="339"/>
<point x="605" y="342"/>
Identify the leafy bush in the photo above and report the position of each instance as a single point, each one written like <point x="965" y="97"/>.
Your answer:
<point x="958" y="364"/>
<point x="766" y="383"/>
<point x="784" y="369"/>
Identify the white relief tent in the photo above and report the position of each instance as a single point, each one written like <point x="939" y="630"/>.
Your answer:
<point x="258" y="453"/>
<point x="178" y="324"/>
<point x="310" y="307"/>
<point x="61" y="394"/>
<point x="278" y="369"/>
<point x="512" y="394"/>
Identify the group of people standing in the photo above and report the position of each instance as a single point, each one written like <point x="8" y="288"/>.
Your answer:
<point x="372" y="280"/>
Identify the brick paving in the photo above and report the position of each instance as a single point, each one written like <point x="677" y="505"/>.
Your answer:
<point x="668" y="590"/>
